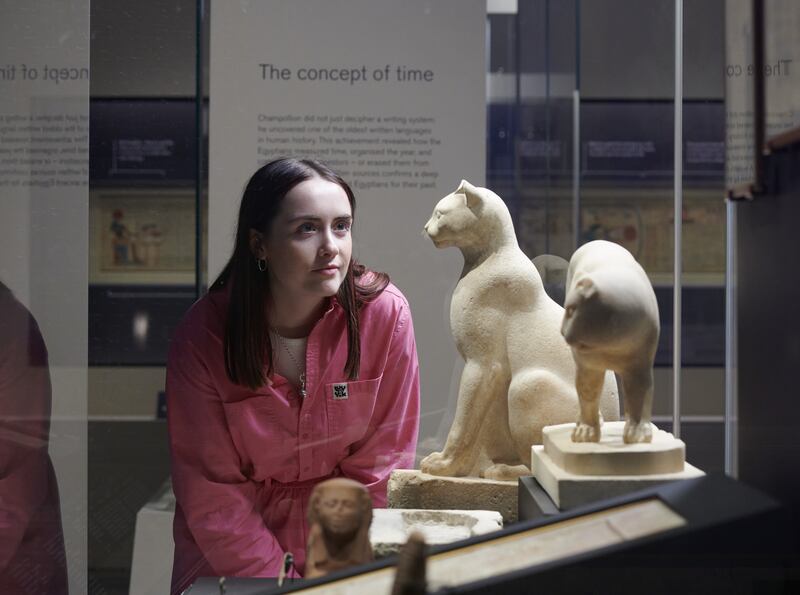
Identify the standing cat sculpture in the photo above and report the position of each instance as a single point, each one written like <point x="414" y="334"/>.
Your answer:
<point x="519" y="375"/>
<point x="611" y="323"/>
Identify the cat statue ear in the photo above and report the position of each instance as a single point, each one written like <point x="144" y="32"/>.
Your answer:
<point x="586" y="287"/>
<point x="470" y="192"/>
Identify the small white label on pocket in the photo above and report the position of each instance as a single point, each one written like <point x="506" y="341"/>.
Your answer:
<point x="340" y="392"/>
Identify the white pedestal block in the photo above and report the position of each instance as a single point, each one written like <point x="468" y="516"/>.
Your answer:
<point x="392" y="526"/>
<point x="153" y="547"/>
<point x="576" y="473"/>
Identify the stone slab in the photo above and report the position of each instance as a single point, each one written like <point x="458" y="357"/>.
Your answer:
<point x="391" y="526"/>
<point x="568" y="490"/>
<point x="611" y="456"/>
<point x="411" y="488"/>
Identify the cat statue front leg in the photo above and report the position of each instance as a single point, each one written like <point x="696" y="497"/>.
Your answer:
<point x="589" y="384"/>
<point x="637" y="385"/>
<point x="481" y="383"/>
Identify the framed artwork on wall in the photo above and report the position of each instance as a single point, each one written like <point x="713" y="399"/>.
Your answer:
<point x="142" y="236"/>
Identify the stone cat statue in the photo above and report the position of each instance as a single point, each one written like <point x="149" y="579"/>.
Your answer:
<point x="611" y="323"/>
<point x="519" y="375"/>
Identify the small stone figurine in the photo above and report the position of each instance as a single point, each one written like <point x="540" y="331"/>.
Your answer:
<point x="611" y="323"/>
<point x="410" y="576"/>
<point x="340" y="514"/>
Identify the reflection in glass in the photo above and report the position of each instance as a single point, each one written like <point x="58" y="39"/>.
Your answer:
<point x="32" y="559"/>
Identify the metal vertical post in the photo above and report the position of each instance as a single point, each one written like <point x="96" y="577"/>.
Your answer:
<point x="731" y="367"/>
<point x="198" y="181"/>
<point x="576" y="134"/>
<point x="547" y="127"/>
<point x="759" y="94"/>
<point x="678" y="216"/>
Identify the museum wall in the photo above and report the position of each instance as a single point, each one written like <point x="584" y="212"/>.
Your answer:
<point x="638" y="63"/>
<point x="148" y="49"/>
<point x="143" y="49"/>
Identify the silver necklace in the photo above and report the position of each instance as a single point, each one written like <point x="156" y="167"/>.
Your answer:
<point x="296" y="365"/>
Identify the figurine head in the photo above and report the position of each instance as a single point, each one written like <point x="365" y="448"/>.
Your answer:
<point x="342" y="507"/>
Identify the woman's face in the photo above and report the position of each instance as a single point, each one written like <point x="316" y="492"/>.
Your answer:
<point x="308" y="245"/>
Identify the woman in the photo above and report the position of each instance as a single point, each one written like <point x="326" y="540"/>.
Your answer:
<point x="297" y="366"/>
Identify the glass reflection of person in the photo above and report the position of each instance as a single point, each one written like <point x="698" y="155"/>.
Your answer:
<point x="297" y="366"/>
<point x="31" y="539"/>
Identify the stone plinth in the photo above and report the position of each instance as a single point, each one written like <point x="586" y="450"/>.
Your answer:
<point x="410" y="488"/>
<point x="391" y="526"/>
<point x="576" y="473"/>
<point x="611" y="456"/>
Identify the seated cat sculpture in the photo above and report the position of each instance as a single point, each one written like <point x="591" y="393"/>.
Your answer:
<point x="611" y="323"/>
<point x="519" y="375"/>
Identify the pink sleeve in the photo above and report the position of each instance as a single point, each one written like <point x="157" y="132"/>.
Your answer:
<point x="217" y="500"/>
<point x="391" y="439"/>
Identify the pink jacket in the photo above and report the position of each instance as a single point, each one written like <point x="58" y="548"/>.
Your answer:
<point x="244" y="462"/>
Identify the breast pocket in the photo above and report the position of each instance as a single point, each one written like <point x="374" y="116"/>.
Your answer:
<point x="350" y="406"/>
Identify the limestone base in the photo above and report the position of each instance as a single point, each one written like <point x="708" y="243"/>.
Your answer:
<point x="391" y="526"/>
<point x="568" y="490"/>
<point x="411" y="488"/>
<point x="611" y="456"/>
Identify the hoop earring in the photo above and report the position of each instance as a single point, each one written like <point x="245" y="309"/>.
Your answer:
<point x="261" y="263"/>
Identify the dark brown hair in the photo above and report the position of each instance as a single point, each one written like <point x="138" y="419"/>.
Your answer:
<point x="247" y="344"/>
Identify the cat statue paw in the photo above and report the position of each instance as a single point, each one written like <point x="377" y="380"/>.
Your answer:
<point x="438" y="463"/>
<point x="586" y="433"/>
<point x="611" y="323"/>
<point x="519" y="374"/>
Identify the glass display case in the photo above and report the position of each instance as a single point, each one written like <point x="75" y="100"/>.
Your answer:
<point x="128" y="132"/>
